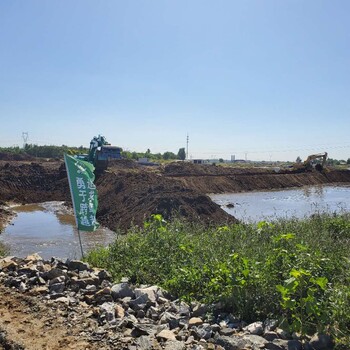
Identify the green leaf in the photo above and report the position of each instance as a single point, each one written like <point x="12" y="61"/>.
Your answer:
<point x="320" y="281"/>
<point x="299" y="273"/>
<point x="282" y="289"/>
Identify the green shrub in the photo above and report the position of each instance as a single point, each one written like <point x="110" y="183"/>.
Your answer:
<point x="293" y="269"/>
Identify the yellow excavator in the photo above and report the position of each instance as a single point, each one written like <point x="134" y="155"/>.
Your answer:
<point x="308" y="163"/>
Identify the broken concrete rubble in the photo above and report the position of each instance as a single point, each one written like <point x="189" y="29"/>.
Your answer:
<point x="146" y="317"/>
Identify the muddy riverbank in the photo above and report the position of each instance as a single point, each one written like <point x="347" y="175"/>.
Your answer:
<point x="129" y="193"/>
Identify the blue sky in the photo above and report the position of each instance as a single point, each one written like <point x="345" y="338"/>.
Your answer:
<point x="269" y="79"/>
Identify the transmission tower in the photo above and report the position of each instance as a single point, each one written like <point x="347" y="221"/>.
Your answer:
<point x="25" y="136"/>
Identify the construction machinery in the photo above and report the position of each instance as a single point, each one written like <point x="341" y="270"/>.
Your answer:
<point x="309" y="162"/>
<point x="100" y="152"/>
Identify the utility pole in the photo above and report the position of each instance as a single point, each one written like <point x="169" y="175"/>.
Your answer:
<point x="25" y="136"/>
<point x="187" y="146"/>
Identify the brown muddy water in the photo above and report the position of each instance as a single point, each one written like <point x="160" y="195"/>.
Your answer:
<point x="49" y="230"/>
<point x="290" y="203"/>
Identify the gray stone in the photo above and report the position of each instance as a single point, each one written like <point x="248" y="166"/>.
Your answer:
<point x="255" y="341"/>
<point x="122" y="290"/>
<point x="199" y="310"/>
<point x="74" y="265"/>
<point x="91" y="288"/>
<point x="321" y="342"/>
<point x="270" y="325"/>
<point x="144" y="342"/>
<point x="102" y="296"/>
<point x="58" y="279"/>
<point x="57" y="288"/>
<point x="140" y="314"/>
<point x="256" y="328"/>
<point x="215" y="328"/>
<point x="174" y="345"/>
<point x="285" y="344"/>
<point x="77" y="284"/>
<point x="183" y="322"/>
<point x="85" y="274"/>
<point x="170" y="319"/>
<point x="63" y="300"/>
<point x="104" y="275"/>
<point x="143" y="329"/>
<point x="28" y="271"/>
<point x="151" y="293"/>
<point x="162" y="300"/>
<point x="282" y="334"/>
<point x="140" y="302"/>
<point x="295" y="345"/>
<point x="203" y="331"/>
<point x="230" y="343"/>
<point x="53" y="273"/>
<point x="107" y="312"/>
<point x="273" y="346"/>
<point x="184" y="309"/>
<point x="270" y="336"/>
<point x="153" y="313"/>
<point x="227" y="331"/>
<point x="190" y="340"/>
<point x="128" y="322"/>
<point x="22" y="287"/>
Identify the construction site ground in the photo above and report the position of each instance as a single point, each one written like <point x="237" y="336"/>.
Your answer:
<point x="128" y="194"/>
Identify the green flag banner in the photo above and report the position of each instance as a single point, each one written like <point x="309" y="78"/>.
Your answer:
<point x="83" y="191"/>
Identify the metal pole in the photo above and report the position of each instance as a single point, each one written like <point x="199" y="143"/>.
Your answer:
<point x="81" y="246"/>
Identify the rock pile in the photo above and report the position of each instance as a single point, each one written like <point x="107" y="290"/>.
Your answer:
<point x="144" y="317"/>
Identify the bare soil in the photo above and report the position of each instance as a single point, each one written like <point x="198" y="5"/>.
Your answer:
<point x="130" y="193"/>
<point x="26" y="322"/>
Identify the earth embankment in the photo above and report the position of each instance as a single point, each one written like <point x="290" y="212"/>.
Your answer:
<point x="129" y="193"/>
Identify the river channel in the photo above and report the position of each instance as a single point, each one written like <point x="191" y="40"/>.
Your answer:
<point x="49" y="230"/>
<point x="298" y="203"/>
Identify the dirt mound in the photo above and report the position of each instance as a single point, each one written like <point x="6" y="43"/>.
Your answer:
<point x="15" y="156"/>
<point x="122" y="164"/>
<point x="32" y="182"/>
<point x="189" y="169"/>
<point x="133" y="197"/>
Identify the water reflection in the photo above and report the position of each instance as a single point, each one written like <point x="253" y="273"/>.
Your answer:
<point x="301" y="202"/>
<point x="313" y="191"/>
<point x="49" y="229"/>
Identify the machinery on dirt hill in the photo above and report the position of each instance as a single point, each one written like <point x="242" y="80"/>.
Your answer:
<point x="100" y="153"/>
<point x="308" y="163"/>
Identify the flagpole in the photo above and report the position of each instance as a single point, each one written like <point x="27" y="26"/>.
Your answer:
<point x="75" y="212"/>
<point x="81" y="246"/>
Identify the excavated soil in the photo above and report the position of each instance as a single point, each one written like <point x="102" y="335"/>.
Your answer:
<point x="130" y="193"/>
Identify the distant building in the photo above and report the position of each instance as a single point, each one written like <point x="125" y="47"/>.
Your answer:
<point x="199" y="161"/>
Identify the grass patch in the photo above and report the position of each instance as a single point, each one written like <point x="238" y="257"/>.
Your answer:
<point x="3" y="250"/>
<point x="294" y="270"/>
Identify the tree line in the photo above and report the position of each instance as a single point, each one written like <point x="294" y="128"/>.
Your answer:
<point x="49" y="151"/>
